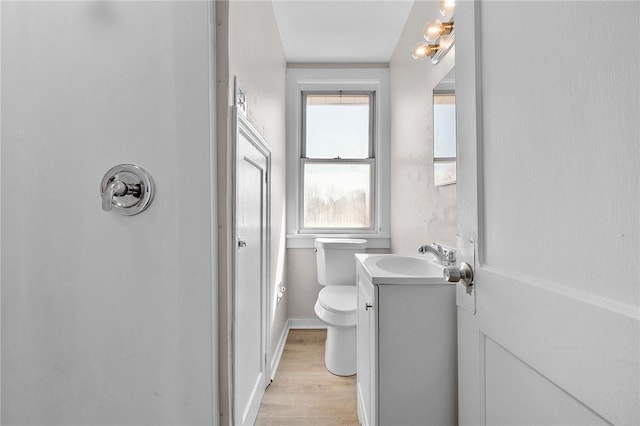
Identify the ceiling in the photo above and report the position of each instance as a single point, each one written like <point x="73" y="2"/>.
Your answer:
<point x="340" y="31"/>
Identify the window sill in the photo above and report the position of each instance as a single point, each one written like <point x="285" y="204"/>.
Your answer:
<point x="377" y="241"/>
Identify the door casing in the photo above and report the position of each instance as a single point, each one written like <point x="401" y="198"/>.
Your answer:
<point x="242" y="129"/>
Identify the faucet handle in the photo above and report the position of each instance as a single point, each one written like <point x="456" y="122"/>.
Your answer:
<point x="438" y="247"/>
<point x="113" y="189"/>
<point x="451" y="256"/>
<point x="126" y="189"/>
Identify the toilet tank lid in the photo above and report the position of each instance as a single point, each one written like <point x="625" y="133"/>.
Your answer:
<point x="341" y="243"/>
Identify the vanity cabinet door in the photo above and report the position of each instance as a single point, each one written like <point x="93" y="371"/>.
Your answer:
<point x="367" y="350"/>
<point x="416" y="355"/>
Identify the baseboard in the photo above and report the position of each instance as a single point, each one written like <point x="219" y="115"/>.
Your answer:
<point x="305" y="323"/>
<point x="292" y="324"/>
<point x="275" y="362"/>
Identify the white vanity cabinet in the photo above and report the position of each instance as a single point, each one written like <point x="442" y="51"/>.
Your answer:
<point x="406" y="349"/>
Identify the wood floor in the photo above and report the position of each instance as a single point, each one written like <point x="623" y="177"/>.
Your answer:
<point x="303" y="391"/>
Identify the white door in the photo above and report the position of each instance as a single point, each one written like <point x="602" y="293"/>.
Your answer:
<point x="251" y="260"/>
<point x="548" y="206"/>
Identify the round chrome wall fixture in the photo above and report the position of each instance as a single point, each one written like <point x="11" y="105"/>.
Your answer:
<point x="127" y="189"/>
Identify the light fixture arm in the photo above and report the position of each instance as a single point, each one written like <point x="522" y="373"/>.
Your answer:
<point x="446" y="28"/>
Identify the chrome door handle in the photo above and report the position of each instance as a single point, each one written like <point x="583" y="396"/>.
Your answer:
<point x="464" y="274"/>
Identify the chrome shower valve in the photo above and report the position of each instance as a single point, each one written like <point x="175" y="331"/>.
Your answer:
<point x="127" y="189"/>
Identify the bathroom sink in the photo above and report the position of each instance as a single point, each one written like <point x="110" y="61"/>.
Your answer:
<point x="405" y="265"/>
<point x="402" y="269"/>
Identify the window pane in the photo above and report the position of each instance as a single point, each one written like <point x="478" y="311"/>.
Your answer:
<point x="337" y="196"/>
<point x="444" y="126"/>
<point x="337" y="126"/>
<point x="444" y="172"/>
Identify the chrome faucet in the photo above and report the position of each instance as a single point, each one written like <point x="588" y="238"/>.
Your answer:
<point x="446" y="257"/>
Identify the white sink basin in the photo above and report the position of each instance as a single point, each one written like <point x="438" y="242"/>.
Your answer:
<point x="402" y="269"/>
<point x="404" y="265"/>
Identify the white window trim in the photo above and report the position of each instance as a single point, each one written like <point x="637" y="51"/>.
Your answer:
<point x="353" y="79"/>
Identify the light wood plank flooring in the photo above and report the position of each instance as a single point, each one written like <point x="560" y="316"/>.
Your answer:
<point x="303" y="391"/>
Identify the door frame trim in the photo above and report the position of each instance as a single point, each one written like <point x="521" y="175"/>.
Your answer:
<point x="241" y="125"/>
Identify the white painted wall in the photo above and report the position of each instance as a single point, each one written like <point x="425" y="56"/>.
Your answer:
<point x="421" y="213"/>
<point x="303" y="284"/>
<point x="252" y="52"/>
<point x="107" y="319"/>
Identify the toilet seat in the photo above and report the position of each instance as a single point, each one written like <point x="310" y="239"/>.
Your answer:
<point x="337" y="305"/>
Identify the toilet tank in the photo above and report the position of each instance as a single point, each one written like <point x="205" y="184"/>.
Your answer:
<point x="335" y="261"/>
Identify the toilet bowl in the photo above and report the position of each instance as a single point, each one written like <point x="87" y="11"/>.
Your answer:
<point x="336" y="305"/>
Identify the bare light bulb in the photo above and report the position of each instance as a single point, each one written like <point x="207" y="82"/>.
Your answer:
<point x="432" y="30"/>
<point x="447" y="7"/>
<point x="421" y="50"/>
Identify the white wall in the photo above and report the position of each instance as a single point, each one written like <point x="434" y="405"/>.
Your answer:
<point x="303" y="288"/>
<point x="254" y="54"/>
<point x="106" y="319"/>
<point x="421" y="213"/>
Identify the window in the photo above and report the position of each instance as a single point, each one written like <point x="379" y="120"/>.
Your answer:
<point x="444" y="138"/>
<point x="337" y="161"/>
<point x="337" y="155"/>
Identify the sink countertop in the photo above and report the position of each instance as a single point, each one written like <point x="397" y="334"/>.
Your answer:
<point x="378" y="275"/>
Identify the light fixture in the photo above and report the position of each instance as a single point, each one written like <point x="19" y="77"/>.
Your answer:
<point x="422" y="50"/>
<point x="434" y="29"/>
<point x="440" y="36"/>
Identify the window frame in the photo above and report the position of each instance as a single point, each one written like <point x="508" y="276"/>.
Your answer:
<point x="372" y="115"/>
<point x="304" y="160"/>
<point x="333" y="81"/>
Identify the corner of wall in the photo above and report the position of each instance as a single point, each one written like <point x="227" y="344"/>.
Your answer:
<point x="224" y="208"/>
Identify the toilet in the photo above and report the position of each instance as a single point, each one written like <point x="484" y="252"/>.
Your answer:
<point x="337" y="301"/>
